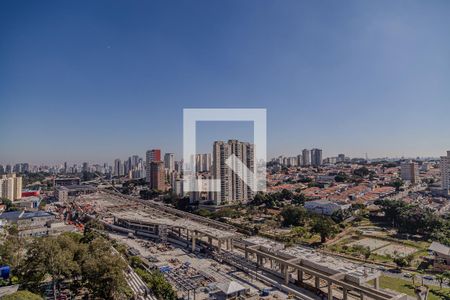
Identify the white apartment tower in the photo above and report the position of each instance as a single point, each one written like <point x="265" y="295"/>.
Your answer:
<point x="11" y="187"/>
<point x="445" y="172"/>
<point x="233" y="188"/>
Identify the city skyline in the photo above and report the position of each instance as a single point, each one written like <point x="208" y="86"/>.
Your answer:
<point x="97" y="82"/>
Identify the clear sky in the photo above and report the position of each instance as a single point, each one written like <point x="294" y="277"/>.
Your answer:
<point x="96" y="80"/>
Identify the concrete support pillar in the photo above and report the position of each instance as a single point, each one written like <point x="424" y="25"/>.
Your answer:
<point x="344" y="293"/>
<point x="286" y="275"/>
<point x="376" y="283"/>
<point x="193" y="244"/>
<point x="271" y="263"/>
<point x="228" y="244"/>
<point x="187" y="238"/>
<point x="219" y="247"/>
<point x="362" y="296"/>
<point x="246" y="253"/>
<point x="317" y="283"/>
<point x="282" y="268"/>
<point x="330" y="290"/>
<point x="299" y="277"/>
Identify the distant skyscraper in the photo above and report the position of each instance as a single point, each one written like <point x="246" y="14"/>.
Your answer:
<point x="169" y="161"/>
<point x="445" y="171"/>
<point x="17" y="168"/>
<point x="306" y="157"/>
<point x="134" y="161"/>
<point x="118" y="168"/>
<point x="157" y="178"/>
<point x="85" y="167"/>
<point x="151" y="155"/>
<point x="410" y="171"/>
<point x="316" y="157"/>
<point x="233" y="188"/>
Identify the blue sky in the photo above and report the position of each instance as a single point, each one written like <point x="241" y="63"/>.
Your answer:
<point x="96" y="80"/>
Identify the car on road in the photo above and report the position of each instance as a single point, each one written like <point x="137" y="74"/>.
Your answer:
<point x="408" y="275"/>
<point x="428" y="277"/>
<point x="396" y="271"/>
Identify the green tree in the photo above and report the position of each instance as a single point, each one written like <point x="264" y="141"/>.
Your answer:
<point x="361" y="172"/>
<point x="12" y="250"/>
<point x="9" y="205"/>
<point x="299" y="199"/>
<point x="441" y="278"/>
<point x="50" y="256"/>
<point x="92" y="230"/>
<point x="397" y="184"/>
<point x="286" y="195"/>
<point x="341" y="177"/>
<point x="447" y="276"/>
<point x="324" y="226"/>
<point x="401" y="261"/>
<point x="293" y="215"/>
<point x="102" y="271"/>
<point x="158" y="284"/>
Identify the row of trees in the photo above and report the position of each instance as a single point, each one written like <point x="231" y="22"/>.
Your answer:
<point x="414" y="219"/>
<point x="275" y="199"/>
<point x="298" y="216"/>
<point x="85" y="261"/>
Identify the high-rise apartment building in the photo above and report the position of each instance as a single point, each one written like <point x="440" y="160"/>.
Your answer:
<point x="445" y="172"/>
<point x="316" y="157"/>
<point x="134" y="161"/>
<point x="409" y="171"/>
<point x="233" y="188"/>
<point x="203" y="162"/>
<point x="157" y="176"/>
<point x="150" y="156"/>
<point x="11" y="186"/>
<point x="340" y="158"/>
<point x="169" y="161"/>
<point x="306" y="157"/>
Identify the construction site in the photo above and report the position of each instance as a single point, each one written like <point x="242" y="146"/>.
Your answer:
<point x="207" y="259"/>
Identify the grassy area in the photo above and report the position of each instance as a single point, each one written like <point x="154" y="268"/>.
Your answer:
<point x="403" y="286"/>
